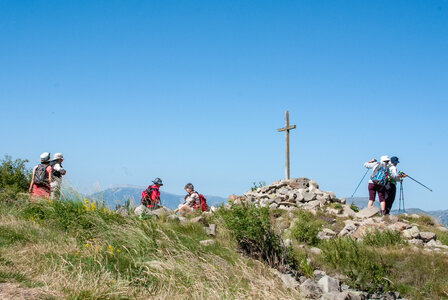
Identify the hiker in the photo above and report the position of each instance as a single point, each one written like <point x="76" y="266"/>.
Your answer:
<point x="151" y="196"/>
<point x="41" y="178"/>
<point x="57" y="172"/>
<point x="391" y="187"/>
<point x="192" y="201"/>
<point x="377" y="181"/>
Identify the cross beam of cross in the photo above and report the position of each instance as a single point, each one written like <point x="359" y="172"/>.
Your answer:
<point x="286" y="129"/>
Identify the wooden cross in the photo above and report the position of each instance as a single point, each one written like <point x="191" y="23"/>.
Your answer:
<point x="286" y="129"/>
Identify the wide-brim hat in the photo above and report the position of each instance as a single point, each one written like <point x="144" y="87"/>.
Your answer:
<point x="385" y="158"/>
<point x="44" y="157"/>
<point x="157" y="181"/>
<point x="58" y="156"/>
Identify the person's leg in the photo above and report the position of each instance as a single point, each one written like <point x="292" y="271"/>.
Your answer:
<point x="382" y="198"/>
<point x="390" y="197"/>
<point x="372" y="194"/>
<point x="185" y="209"/>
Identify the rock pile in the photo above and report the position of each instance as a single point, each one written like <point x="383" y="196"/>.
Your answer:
<point x="285" y="194"/>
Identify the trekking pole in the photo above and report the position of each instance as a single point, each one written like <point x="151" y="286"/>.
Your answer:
<point x="401" y="199"/>
<point x="360" y="183"/>
<point x="401" y="173"/>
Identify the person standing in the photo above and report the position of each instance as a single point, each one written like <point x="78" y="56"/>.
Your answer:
<point x="56" y="179"/>
<point x="378" y="180"/>
<point x="41" y="178"/>
<point x="391" y="185"/>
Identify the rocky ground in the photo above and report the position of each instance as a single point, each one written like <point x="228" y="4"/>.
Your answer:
<point x="302" y="193"/>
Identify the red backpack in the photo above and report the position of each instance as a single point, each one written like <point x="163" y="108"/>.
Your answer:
<point x="204" y="206"/>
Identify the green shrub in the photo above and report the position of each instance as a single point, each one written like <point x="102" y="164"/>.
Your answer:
<point x="354" y="207"/>
<point x="363" y="266"/>
<point x="306" y="228"/>
<point x="253" y="232"/>
<point x="385" y="238"/>
<point x="256" y="186"/>
<point x="15" y="177"/>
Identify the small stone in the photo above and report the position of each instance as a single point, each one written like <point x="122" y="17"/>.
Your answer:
<point x="207" y="242"/>
<point x="315" y="251"/>
<point x="335" y="296"/>
<point x="416" y="242"/>
<point x="415" y="216"/>
<point x="328" y="284"/>
<point x="432" y="243"/>
<point x="318" y="274"/>
<point x="123" y="211"/>
<point x="392" y="219"/>
<point x="400" y="226"/>
<point x="288" y="242"/>
<point x="273" y="206"/>
<point x="313" y="183"/>
<point x="289" y="281"/>
<point x="139" y="210"/>
<point x="211" y="230"/>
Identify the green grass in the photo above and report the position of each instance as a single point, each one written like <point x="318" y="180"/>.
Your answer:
<point x="306" y="227"/>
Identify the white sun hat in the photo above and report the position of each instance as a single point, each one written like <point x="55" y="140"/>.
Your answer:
<point x="385" y="158"/>
<point x="58" y="156"/>
<point x="44" y="157"/>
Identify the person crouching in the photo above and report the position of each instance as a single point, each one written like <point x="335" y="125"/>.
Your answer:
<point x="192" y="200"/>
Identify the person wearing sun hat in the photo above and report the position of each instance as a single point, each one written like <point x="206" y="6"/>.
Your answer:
<point x="57" y="172"/>
<point x="375" y="188"/>
<point x="391" y="185"/>
<point x="41" y="178"/>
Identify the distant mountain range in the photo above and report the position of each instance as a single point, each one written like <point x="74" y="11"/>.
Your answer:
<point x="118" y="194"/>
<point x="440" y="216"/>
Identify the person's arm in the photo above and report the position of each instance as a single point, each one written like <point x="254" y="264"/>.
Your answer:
<point x="60" y="169"/>
<point x="49" y="171"/>
<point x="394" y="174"/>
<point x="30" y="190"/>
<point x="371" y="164"/>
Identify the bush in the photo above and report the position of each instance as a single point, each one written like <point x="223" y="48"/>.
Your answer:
<point x="354" y="207"/>
<point x="15" y="177"/>
<point x="306" y="228"/>
<point x="253" y="232"/>
<point x="362" y="265"/>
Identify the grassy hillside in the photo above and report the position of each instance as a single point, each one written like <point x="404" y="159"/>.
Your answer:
<point x="77" y="250"/>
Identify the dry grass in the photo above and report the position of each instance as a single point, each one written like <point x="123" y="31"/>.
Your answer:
<point x="56" y="264"/>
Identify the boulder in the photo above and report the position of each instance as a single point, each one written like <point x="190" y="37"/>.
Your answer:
<point x="199" y="219"/>
<point x="347" y="211"/>
<point x="400" y="226"/>
<point x="427" y="236"/>
<point x="416" y="242"/>
<point x="367" y="212"/>
<point x="315" y="251"/>
<point x="313" y="183"/>
<point x="412" y="233"/>
<point x="139" y="210"/>
<point x="328" y="284"/>
<point x="309" y="196"/>
<point x="283" y="191"/>
<point x="207" y="242"/>
<point x="173" y="217"/>
<point x="326" y="234"/>
<point x="288" y="281"/>
<point x="161" y="211"/>
<point x="123" y="211"/>
<point x="310" y="289"/>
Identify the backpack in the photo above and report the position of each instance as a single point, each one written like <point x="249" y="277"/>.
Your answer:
<point x="146" y="200"/>
<point x="381" y="176"/>
<point x="204" y="206"/>
<point x="41" y="176"/>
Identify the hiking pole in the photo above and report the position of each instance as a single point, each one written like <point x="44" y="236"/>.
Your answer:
<point x="360" y="183"/>
<point x="401" y="173"/>
<point x="401" y="199"/>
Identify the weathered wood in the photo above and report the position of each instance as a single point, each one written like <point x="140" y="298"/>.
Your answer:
<point x="286" y="129"/>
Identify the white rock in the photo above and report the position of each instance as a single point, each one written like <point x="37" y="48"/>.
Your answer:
<point x="367" y="212"/>
<point x="207" y="242"/>
<point x="328" y="284"/>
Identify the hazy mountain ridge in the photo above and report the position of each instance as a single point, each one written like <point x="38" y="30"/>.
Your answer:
<point x="440" y="216"/>
<point x="118" y="194"/>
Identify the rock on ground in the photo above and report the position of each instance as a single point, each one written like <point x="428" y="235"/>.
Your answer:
<point x="328" y="284"/>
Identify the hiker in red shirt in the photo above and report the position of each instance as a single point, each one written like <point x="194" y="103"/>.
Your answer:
<point x="41" y="179"/>
<point x="151" y="196"/>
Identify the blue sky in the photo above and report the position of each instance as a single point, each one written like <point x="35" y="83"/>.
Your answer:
<point x="195" y="90"/>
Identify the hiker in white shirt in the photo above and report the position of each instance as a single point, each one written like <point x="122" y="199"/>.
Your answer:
<point x="56" y="179"/>
<point x="375" y="188"/>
